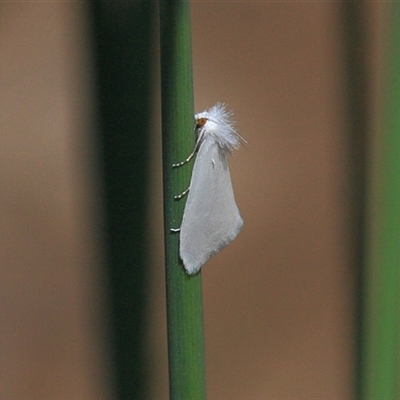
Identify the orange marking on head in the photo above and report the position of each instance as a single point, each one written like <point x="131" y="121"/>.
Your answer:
<point x="201" y="122"/>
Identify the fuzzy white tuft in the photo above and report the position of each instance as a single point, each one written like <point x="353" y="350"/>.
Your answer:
<point x="218" y="124"/>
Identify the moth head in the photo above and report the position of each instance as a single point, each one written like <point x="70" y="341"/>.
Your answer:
<point x="200" y="126"/>
<point x="206" y="126"/>
<point x="217" y="122"/>
<point x="200" y="122"/>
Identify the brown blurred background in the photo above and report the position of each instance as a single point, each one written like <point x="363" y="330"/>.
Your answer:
<point x="279" y="301"/>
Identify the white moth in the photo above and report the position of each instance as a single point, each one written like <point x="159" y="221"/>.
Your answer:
<point x="211" y="218"/>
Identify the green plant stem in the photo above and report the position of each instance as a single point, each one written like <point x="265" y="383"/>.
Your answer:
<point x="123" y="46"/>
<point x="381" y="372"/>
<point x="184" y="295"/>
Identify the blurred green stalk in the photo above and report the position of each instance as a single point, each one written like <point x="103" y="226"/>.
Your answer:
<point x="380" y="373"/>
<point x="123" y="55"/>
<point x="184" y="295"/>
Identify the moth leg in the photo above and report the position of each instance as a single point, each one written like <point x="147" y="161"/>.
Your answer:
<point x="196" y="147"/>
<point x="185" y="161"/>
<point x="179" y="196"/>
<point x="175" y="230"/>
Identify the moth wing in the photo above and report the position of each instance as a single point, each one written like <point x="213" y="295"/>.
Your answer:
<point x="211" y="217"/>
